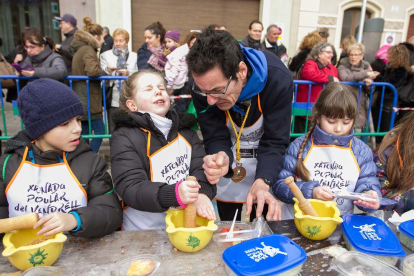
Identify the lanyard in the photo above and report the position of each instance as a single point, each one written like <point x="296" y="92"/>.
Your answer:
<point x="238" y="157"/>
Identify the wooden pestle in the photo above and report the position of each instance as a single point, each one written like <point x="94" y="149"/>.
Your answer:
<point x="304" y="204"/>
<point x="18" y="223"/>
<point x="190" y="212"/>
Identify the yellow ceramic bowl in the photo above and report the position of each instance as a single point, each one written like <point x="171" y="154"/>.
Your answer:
<point x="317" y="228"/>
<point x="24" y="256"/>
<point x="188" y="239"/>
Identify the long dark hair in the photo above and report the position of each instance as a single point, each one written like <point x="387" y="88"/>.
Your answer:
<point x="400" y="163"/>
<point x="336" y="101"/>
<point x="157" y="29"/>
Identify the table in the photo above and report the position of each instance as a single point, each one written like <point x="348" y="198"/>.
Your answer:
<point x="100" y="256"/>
<point x="317" y="263"/>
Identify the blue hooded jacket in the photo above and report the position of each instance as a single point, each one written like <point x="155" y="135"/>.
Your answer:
<point x="367" y="179"/>
<point x="270" y="88"/>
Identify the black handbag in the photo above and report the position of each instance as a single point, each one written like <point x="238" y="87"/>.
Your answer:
<point x="108" y="93"/>
<point x="406" y="92"/>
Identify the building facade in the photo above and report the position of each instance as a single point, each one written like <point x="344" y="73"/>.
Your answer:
<point x="295" y="17"/>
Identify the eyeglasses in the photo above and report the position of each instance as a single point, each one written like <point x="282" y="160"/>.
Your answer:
<point x="216" y="94"/>
<point x="354" y="55"/>
<point x="31" y="47"/>
<point x="329" y="52"/>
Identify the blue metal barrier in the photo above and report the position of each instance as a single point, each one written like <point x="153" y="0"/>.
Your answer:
<point x="304" y="108"/>
<point x="102" y="79"/>
<point x="298" y="108"/>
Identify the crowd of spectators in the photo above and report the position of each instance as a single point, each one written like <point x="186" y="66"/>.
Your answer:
<point x="92" y="51"/>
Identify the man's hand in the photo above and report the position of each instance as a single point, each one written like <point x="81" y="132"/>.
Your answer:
<point x="57" y="47"/>
<point x="259" y="192"/>
<point x="55" y="223"/>
<point x="216" y="166"/>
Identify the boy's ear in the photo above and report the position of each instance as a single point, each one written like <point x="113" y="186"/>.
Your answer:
<point x="131" y="105"/>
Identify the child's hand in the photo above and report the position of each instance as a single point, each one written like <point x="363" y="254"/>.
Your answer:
<point x="205" y="207"/>
<point x="55" y="223"/>
<point x="322" y="193"/>
<point x="188" y="191"/>
<point x="368" y="204"/>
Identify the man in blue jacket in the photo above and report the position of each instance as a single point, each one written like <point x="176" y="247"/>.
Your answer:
<point x="243" y="101"/>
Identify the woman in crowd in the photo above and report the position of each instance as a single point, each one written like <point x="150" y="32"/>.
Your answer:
<point x="346" y="42"/>
<point x="354" y="69"/>
<point x="16" y="55"/>
<point x="308" y="42"/>
<point x="318" y="68"/>
<point x="118" y="62"/>
<point x="85" y="62"/>
<point x="41" y="61"/>
<point x="151" y="51"/>
<point x="176" y="71"/>
<point x="398" y="73"/>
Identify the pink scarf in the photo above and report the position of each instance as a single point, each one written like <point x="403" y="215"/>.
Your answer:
<point x="155" y="57"/>
<point x="382" y="53"/>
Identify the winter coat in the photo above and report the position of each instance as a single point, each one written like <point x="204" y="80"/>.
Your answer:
<point x="399" y="77"/>
<point x="275" y="107"/>
<point x="281" y="51"/>
<point x="130" y="163"/>
<point x="66" y="50"/>
<point x="353" y="73"/>
<point x="176" y="69"/>
<point x="108" y="58"/>
<point x="47" y="64"/>
<point x="356" y="73"/>
<point x="367" y="178"/>
<point x="316" y="72"/>
<point x="143" y="55"/>
<point x="107" y="45"/>
<point x="298" y="60"/>
<point x="249" y="42"/>
<point x="103" y="215"/>
<point x="405" y="201"/>
<point x="379" y="66"/>
<point x="86" y="63"/>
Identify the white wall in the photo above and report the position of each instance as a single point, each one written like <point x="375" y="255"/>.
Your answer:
<point x="79" y="9"/>
<point x="114" y="15"/>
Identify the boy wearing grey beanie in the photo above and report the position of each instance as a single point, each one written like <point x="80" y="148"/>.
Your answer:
<point x="50" y="170"/>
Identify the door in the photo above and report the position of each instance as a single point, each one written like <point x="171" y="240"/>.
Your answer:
<point x="187" y="15"/>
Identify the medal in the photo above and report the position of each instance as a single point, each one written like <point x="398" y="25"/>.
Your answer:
<point x="239" y="173"/>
